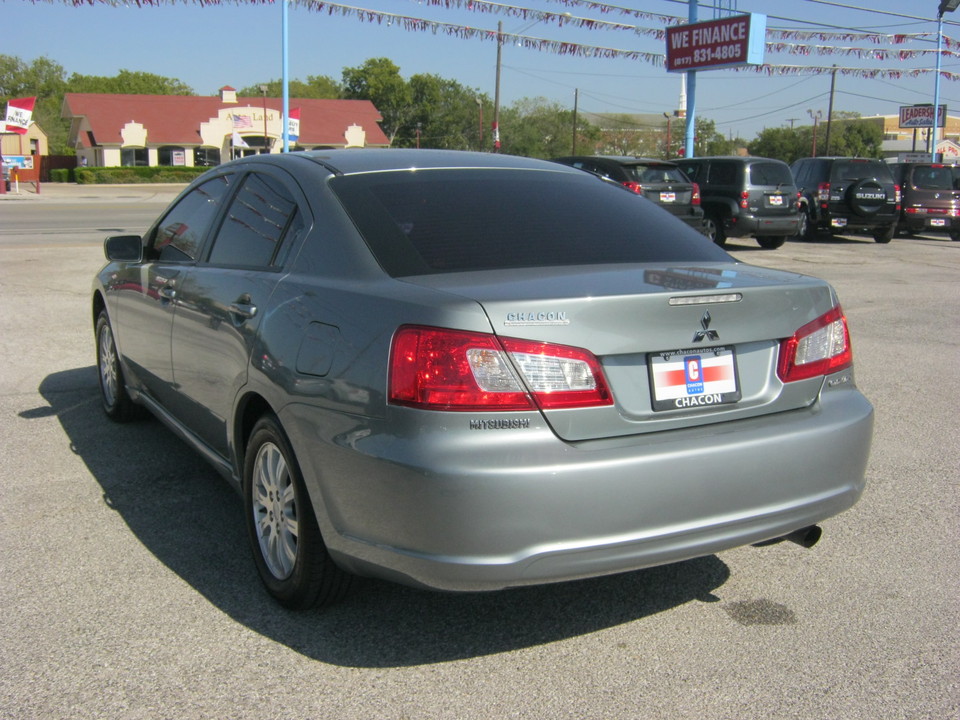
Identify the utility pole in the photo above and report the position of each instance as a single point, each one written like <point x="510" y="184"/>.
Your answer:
<point x="833" y="83"/>
<point x="576" y="100"/>
<point x="816" y="118"/>
<point x="496" y="98"/>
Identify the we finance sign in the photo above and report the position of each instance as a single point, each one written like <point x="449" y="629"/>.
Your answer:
<point x="731" y="41"/>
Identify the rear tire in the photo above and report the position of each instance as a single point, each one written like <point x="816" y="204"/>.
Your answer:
<point x="886" y="235"/>
<point x="289" y="552"/>
<point x="771" y="242"/>
<point x="810" y="231"/>
<point x="713" y="229"/>
<point x="114" y="398"/>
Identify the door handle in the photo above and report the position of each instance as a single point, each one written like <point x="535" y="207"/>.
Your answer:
<point x="243" y="308"/>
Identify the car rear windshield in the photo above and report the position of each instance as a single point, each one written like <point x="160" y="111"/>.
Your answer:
<point x="435" y="221"/>
<point x="861" y="169"/>
<point x="653" y="174"/>
<point x="936" y="177"/>
<point x="770" y="173"/>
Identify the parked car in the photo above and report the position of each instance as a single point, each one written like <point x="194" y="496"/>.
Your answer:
<point x="844" y="194"/>
<point x="746" y="197"/>
<point x="659" y="181"/>
<point x="472" y="371"/>
<point x="930" y="198"/>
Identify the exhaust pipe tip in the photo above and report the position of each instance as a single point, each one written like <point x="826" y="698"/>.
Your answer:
<point x="806" y="537"/>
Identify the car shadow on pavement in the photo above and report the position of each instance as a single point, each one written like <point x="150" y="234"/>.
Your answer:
<point x="184" y="513"/>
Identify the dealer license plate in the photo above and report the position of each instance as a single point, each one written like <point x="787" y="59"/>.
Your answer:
<point x="937" y="222"/>
<point x="777" y="200"/>
<point x="696" y="378"/>
<point x="668" y="197"/>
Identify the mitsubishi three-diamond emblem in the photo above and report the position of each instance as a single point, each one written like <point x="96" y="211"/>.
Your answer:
<point x="706" y="332"/>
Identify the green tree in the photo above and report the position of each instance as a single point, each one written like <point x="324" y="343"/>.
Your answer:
<point x="43" y="79"/>
<point x="781" y="143"/>
<point x="534" y="127"/>
<point x="378" y="80"/>
<point x="317" y="87"/>
<point x="128" y="82"/>
<point x="444" y="113"/>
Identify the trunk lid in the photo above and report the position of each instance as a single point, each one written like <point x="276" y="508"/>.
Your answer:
<point x="635" y="317"/>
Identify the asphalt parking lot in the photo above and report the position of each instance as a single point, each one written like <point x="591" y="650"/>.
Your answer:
<point x="128" y="591"/>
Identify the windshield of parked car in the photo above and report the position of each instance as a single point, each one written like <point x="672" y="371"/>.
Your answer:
<point x="433" y="221"/>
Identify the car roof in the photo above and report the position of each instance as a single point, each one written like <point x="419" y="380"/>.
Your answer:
<point x="367" y="160"/>
<point x="619" y="159"/>
<point x="347" y="162"/>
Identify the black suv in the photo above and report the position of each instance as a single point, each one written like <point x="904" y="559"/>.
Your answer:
<point x="659" y="181"/>
<point x="746" y="197"/>
<point x="843" y="194"/>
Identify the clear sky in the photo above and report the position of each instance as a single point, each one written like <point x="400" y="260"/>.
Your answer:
<point x="239" y="44"/>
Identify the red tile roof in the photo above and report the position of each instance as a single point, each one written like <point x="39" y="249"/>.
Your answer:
<point x="175" y="119"/>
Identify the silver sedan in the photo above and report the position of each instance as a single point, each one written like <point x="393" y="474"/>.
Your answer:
<point x="471" y="372"/>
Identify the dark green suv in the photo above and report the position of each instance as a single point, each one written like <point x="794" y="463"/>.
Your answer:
<point x="745" y="197"/>
<point x="844" y="194"/>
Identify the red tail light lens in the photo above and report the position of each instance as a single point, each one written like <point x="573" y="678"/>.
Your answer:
<point x="823" y="193"/>
<point x="744" y="199"/>
<point x="440" y="369"/>
<point x="695" y="200"/>
<point x="899" y="195"/>
<point x="818" y="348"/>
<point x="634" y="186"/>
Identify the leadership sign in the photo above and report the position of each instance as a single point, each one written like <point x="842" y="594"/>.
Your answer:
<point x="728" y="42"/>
<point x="921" y="116"/>
<point x="19" y="113"/>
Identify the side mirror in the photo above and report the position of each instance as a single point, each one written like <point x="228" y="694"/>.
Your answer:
<point x="123" y="248"/>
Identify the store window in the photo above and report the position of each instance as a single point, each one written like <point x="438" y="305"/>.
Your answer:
<point x="206" y="157"/>
<point x="134" y="157"/>
<point x="171" y="155"/>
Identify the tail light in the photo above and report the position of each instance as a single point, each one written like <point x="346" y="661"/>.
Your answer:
<point x="818" y="348"/>
<point x="744" y="199"/>
<point x="634" y="186"/>
<point x="899" y="195"/>
<point x="695" y="200"/>
<point x="799" y="204"/>
<point x="823" y="194"/>
<point x="440" y="369"/>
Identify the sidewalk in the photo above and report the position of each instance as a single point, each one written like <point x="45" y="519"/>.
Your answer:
<point x="71" y="192"/>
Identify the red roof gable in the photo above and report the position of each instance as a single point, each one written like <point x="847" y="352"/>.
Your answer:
<point x="176" y="119"/>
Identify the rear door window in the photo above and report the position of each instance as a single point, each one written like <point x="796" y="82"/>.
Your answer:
<point x="263" y="212"/>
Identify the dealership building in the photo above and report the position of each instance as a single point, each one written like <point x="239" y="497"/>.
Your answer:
<point x="184" y="130"/>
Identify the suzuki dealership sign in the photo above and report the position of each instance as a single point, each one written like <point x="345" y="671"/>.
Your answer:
<point x="921" y="116"/>
<point x="731" y="41"/>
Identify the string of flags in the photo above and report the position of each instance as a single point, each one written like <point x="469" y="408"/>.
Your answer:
<point x="794" y="42"/>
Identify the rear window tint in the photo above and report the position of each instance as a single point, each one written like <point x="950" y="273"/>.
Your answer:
<point x="435" y="221"/>
<point x="770" y="173"/>
<point x="652" y="174"/>
<point x="846" y="170"/>
<point x="932" y="177"/>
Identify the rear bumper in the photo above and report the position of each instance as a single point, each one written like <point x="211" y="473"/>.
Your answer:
<point x="509" y="507"/>
<point x="747" y="225"/>
<point x="930" y="223"/>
